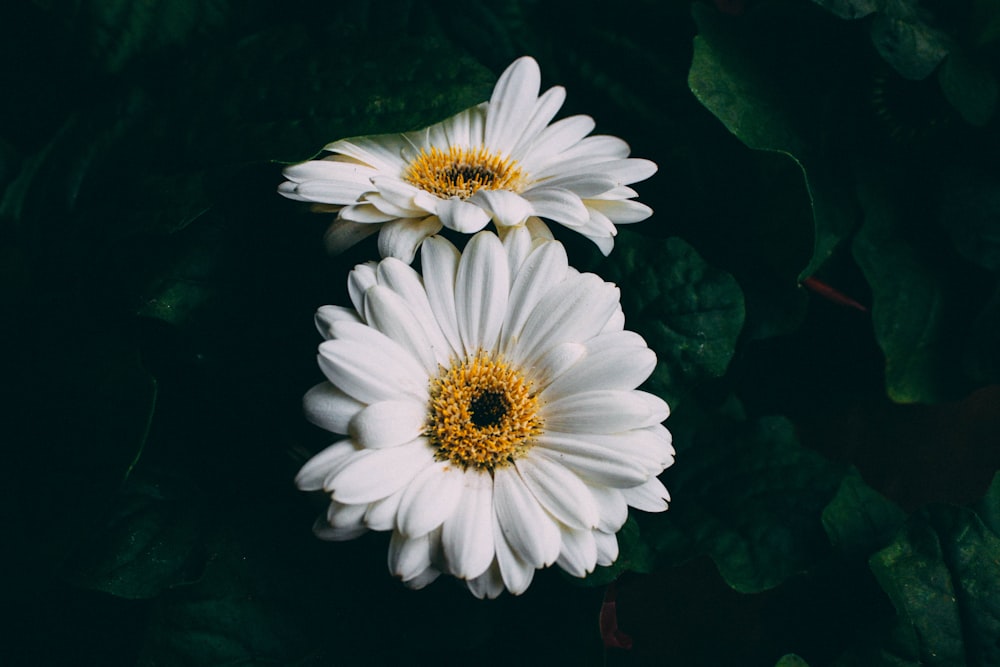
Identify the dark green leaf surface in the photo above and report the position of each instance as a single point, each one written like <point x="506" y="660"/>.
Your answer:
<point x="777" y="103"/>
<point x="750" y="496"/>
<point x="943" y="577"/>
<point x="859" y="520"/>
<point x="690" y="313"/>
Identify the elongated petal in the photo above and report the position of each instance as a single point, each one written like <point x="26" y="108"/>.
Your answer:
<point x="529" y="530"/>
<point x="488" y="585"/>
<point x="372" y="372"/>
<point x="325" y="531"/>
<point x="365" y="213"/>
<point x="546" y="107"/>
<point x="327" y="315"/>
<point x="462" y="216"/>
<point x="330" y="408"/>
<point x="387" y="424"/>
<point x="600" y="411"/>
<point x="431" y="498"/>
<point x="544" y="268"/>
<point x="558" y="204"/>
<point x="467" y="535"/>
<point x="607" y="547"/>
<point x="579" y="552"/>
<point x="481" y="293"/>
<point x="511" y="105"/>
<point x="401" y="238"/>
<point x="409" y="556"/>
<point x="384" y="151"/>
<point x="381" y="473"/>
<point x="649" y="497"/>
<point x="611" y="507"/>
<point x="617" y="368"/>
<point x="387" y="312"/>
<point x="506" y="208"/>
<point x="440" y="260"/>
<point x="559" y="491"/>
<point x="316" y="469"/>
<point x="594" y="464"/>
<point x="381" y="514"/>
<point x="404" y="281"/>
<point x="515" y="571"/>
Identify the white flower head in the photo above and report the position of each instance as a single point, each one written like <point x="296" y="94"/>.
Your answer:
<point x="502" y="161"/>
<point x="491" y="412"/>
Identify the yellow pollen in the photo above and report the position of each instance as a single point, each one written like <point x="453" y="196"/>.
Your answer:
<point x="460" y="171"/>
<point x="483" y="413"/>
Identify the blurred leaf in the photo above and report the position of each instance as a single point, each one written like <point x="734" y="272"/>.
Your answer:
<point x="943" y="577"/>
<point x="777" y="100"/>
<point x="851" y="9"/>
<point x="118" y="31"/>
<point x="906" y="41"/>
<point x="860" y="520"/>
<point x="988" y="508"/>
<point x="791" y="660"/>
<point x="970" y="213"/>
<point x="969" y="87"/>
<point x="689" y="313"/>
<point x="634" y="555"/>
<point x="750" y="496"/>
<point x="915" y="297"/>
<point x="150" y="543"/>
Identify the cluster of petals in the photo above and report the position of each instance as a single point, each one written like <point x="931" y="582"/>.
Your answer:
<point x="564" y="174"/>
<point x="560" y="500"/>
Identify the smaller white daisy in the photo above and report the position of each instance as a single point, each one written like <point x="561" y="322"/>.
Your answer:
<point x="501" y="161"/>
<point x="491" y="412"/>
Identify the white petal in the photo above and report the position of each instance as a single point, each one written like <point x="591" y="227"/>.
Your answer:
<point x="397" y="192"/>
<point x="515" y="572"/>
<point x="601" y="411"/>
<point x="340" y="515"/>
<point x="467" y="535"/>
<point x="430" y="498"/>
<point x="330" y="192"/>
<point x="421" y="580"/>
<point x="555" y="362"/>
<point x="409" y="556"/>
<point x="364" y="213"/>
<point x="511" y="104"/>
<point x="465" y="128"/>
<point x="593" y="463"/>
<point x="649" y="497"/>
<point x="461" y="216"/>
<point x="404" y="281"/>
<point x="507" y="209"/>
<point x="359" y="280"/>
<point x="439" y="259"/>
<point x="387" y="312"/>
<point x="384" y="152"/>
<point x="586" y="184"/>
<point x="572" y="311"/>
<point x="559" y="491"/>
<point x="616" y="368"/>
<point x="579" y="552"/>
<point x="343" y="234"/>
<point x="544" y="268"/>
<point x="555" y="139"/>
<point x="316" y="469"/>
<point x="381" y="514"/>
<point x="531" y="533"/>
<point x="481" y="288"/>
<point x="488" y="585"/>
<point x="331" y="170"/>
<point x="607" y="547"/>
<point x="387" y="424"/>
<point x="374" y="371"/>
<point x="327" y="315"/>
<point x="611" y="506"/>
<point x="381" y="473"/>
<point x="401" y="238"/>
<point x="620" y="211"/>
<point x="559" y="205"/>
<point x="325" y="531"/>
<point x="330" y="408"/>
<point x="539" y="230"/>
<point x="545" y="110"/>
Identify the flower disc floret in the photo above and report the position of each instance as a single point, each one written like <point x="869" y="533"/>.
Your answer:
<point x="483" y="413"/>
<point x="461" y="172"/>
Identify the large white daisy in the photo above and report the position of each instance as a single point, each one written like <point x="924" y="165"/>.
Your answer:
<point x="501" y="160"/>
<point x="492" y="418"/>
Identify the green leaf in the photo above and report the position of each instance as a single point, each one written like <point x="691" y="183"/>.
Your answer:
<point x="970" y="212"/>
<point x="860" y="520"/>
<point x="943" y="577"/>
<point x="118" y="31"/>
<point x="690" y="313"/>
<point x="150" y="543"/>
<point x="634" y="555"/>
<point x="776" y="100"/>
<point x="969" y="87"/>
<point x="750" y="496"/>
<point x="913" y="295"/>
<point x="908" y="43"/>
<point x="851" y="9"/>
<point x="791" y="660"/>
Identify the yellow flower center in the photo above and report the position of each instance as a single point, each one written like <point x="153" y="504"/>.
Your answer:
<point x="460" y="171"/>
<point x="483" y="413"/>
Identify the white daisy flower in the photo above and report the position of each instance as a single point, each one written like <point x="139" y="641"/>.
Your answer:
<point x="500" y="161"/>
<point x="492" y="418"/>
